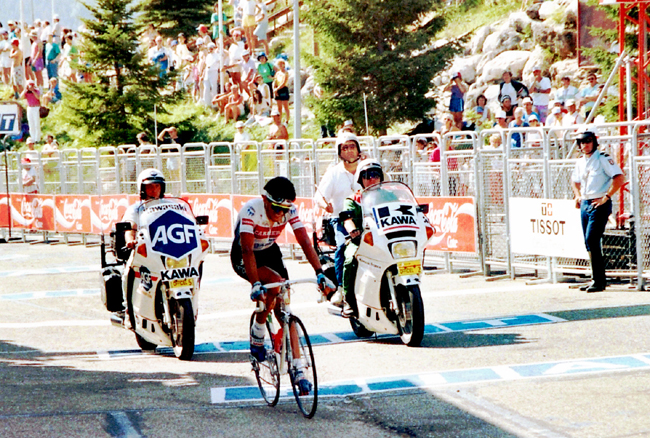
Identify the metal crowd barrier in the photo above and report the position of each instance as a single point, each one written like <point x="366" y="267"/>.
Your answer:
<point x="541" y="168"/>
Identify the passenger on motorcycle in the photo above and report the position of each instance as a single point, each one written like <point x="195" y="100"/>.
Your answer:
<point x="257" y="258"/>
<point x="369" y="173"/>
<point x="151" y="185"/>
<point x="337" y="184"/>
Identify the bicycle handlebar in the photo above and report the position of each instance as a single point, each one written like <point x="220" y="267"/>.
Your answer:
<point x="260" y="304"/>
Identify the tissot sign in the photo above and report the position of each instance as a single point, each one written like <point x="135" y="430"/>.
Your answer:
<point x="549" y="227"/>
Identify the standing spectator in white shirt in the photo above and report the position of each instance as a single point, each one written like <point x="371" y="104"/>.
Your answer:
<point x="210" y="74"/>
<point x="566" y="91"/>
<point x="5" y="61"/>
<point x="541" y="90"/>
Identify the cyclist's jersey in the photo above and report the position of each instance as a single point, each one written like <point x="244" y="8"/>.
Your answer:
<point x="252" y="219"/>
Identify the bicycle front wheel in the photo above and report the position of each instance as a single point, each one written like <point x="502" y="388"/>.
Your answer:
<point x="302" y="372"/>
<point x="267" y="372"/>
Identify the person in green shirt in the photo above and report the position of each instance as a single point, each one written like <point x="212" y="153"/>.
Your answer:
<point x="368" y="174"/>
<point x="214" y="23"/>
<point x="266" y="70"/>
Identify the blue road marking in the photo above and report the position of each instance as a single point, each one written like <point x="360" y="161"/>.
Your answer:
<point x="451" y="377"/>
<point x="342" y="337"/>
<point x="50" y="294"/>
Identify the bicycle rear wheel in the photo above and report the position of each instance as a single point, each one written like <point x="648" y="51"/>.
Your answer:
<point x="307" y="400"/>
<point x="267" y="373"/>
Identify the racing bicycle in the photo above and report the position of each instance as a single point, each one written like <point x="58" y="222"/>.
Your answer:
<point x="280" y="353"/>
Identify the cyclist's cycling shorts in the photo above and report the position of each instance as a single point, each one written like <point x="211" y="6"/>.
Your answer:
<point x="270" y="257"/>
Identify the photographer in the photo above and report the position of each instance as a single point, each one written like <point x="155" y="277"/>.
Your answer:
<point x="33" y="98"/>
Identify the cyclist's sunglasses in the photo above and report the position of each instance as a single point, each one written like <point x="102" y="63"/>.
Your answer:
<point x="279" y="208"/>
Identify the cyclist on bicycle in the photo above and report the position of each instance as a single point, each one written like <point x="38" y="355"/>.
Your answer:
<point x="257" y="258"/>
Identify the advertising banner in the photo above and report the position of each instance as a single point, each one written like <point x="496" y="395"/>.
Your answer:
<point x="219" y="210"/>
<point x="548" y="227"/>
<point x="33" y="212"/>
<point x="454" y="220"/>
<point x="107" y="211"/>
<point x="4" y="210"/>
<point x="72" y="214"/>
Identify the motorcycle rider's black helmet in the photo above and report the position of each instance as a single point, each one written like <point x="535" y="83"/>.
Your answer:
<point x="150" y="176"/>
<point x="280" y="191"/>
<point x="586" y="136"/>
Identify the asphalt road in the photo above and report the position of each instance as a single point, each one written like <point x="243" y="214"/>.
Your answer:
<point x="502" y="359"/>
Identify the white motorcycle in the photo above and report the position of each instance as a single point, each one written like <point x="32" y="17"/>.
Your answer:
<point x="387" y="282"/>
<point x="164" y="274"/>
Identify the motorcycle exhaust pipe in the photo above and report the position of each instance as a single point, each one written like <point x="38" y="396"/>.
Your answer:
<point x="117" y="320"/>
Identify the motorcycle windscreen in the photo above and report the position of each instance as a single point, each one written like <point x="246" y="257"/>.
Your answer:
<point x="172" y="228"/>
<point x="392" y="206"/>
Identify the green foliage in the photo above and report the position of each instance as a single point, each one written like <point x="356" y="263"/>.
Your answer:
<point x="118" y="101"/>
<point x="472" y="14"/>
<point x="170" y="17"/>
<point x="383" y="49"/>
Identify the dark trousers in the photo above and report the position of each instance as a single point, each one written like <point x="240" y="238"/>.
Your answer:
<point x="594" y="220"/>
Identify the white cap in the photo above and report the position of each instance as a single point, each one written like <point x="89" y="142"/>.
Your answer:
<point x="30" y="141"/>
<point x="348" y="123"/>
<point x="501" y="114"/>
<point x="570" y="102"/>
<point x="239" y="124"/>
<point x="275" y="112"/>
<point x="527" y="100"/>
<point x="556" y="110"/>
<point x="211" y="45"/>
<point x="533" y="117"/>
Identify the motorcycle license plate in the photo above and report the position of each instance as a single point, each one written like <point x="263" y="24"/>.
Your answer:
<point x="184" y="282"/>
<point x="412" y="267"/>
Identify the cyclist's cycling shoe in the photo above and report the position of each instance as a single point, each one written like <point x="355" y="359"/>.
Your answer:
<point x="304" y="385"/>
<point x="257" y="348"/>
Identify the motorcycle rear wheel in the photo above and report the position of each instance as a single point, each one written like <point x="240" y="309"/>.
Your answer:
<point x="410" y="321"/>
<point x="182" y="328"/>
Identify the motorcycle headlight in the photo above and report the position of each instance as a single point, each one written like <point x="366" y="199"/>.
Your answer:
<point x="173" y="264"/>
<point x="404" y="250"/>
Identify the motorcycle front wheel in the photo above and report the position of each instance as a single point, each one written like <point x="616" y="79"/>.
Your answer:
<point x="410" y="321"/>
<point x="182" y="328"/>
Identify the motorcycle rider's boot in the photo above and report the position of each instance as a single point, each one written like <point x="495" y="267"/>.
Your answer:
<point x="350" y="305"/>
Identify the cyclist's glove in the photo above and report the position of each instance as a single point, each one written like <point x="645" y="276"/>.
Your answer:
<point x="324" y="282"/>
<point x="258" y="291"/>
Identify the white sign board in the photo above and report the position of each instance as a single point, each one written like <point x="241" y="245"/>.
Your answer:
<point x="9" y="119"/>
<point x="548" y="227"/>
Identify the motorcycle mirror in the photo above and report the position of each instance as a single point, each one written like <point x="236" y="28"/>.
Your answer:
<point x="202" y="220"/>
<point x="423" y="208"/>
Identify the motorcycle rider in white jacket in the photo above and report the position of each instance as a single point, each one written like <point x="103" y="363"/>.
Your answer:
<point x="151" y="185"/>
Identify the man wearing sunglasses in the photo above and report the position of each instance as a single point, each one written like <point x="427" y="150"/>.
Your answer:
<point x="596" y="178"/>
<point x="257" y="258"/>
<point x="336" y="185"/>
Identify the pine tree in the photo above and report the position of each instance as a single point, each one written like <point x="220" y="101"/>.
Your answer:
<point x="117" y="102"/>
<point x="383" y="48"/>
<point x="170" y="17"/>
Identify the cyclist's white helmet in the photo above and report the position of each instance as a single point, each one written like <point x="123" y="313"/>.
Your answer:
<point x="367" y="165"/>
<point x="150" y="176"/>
